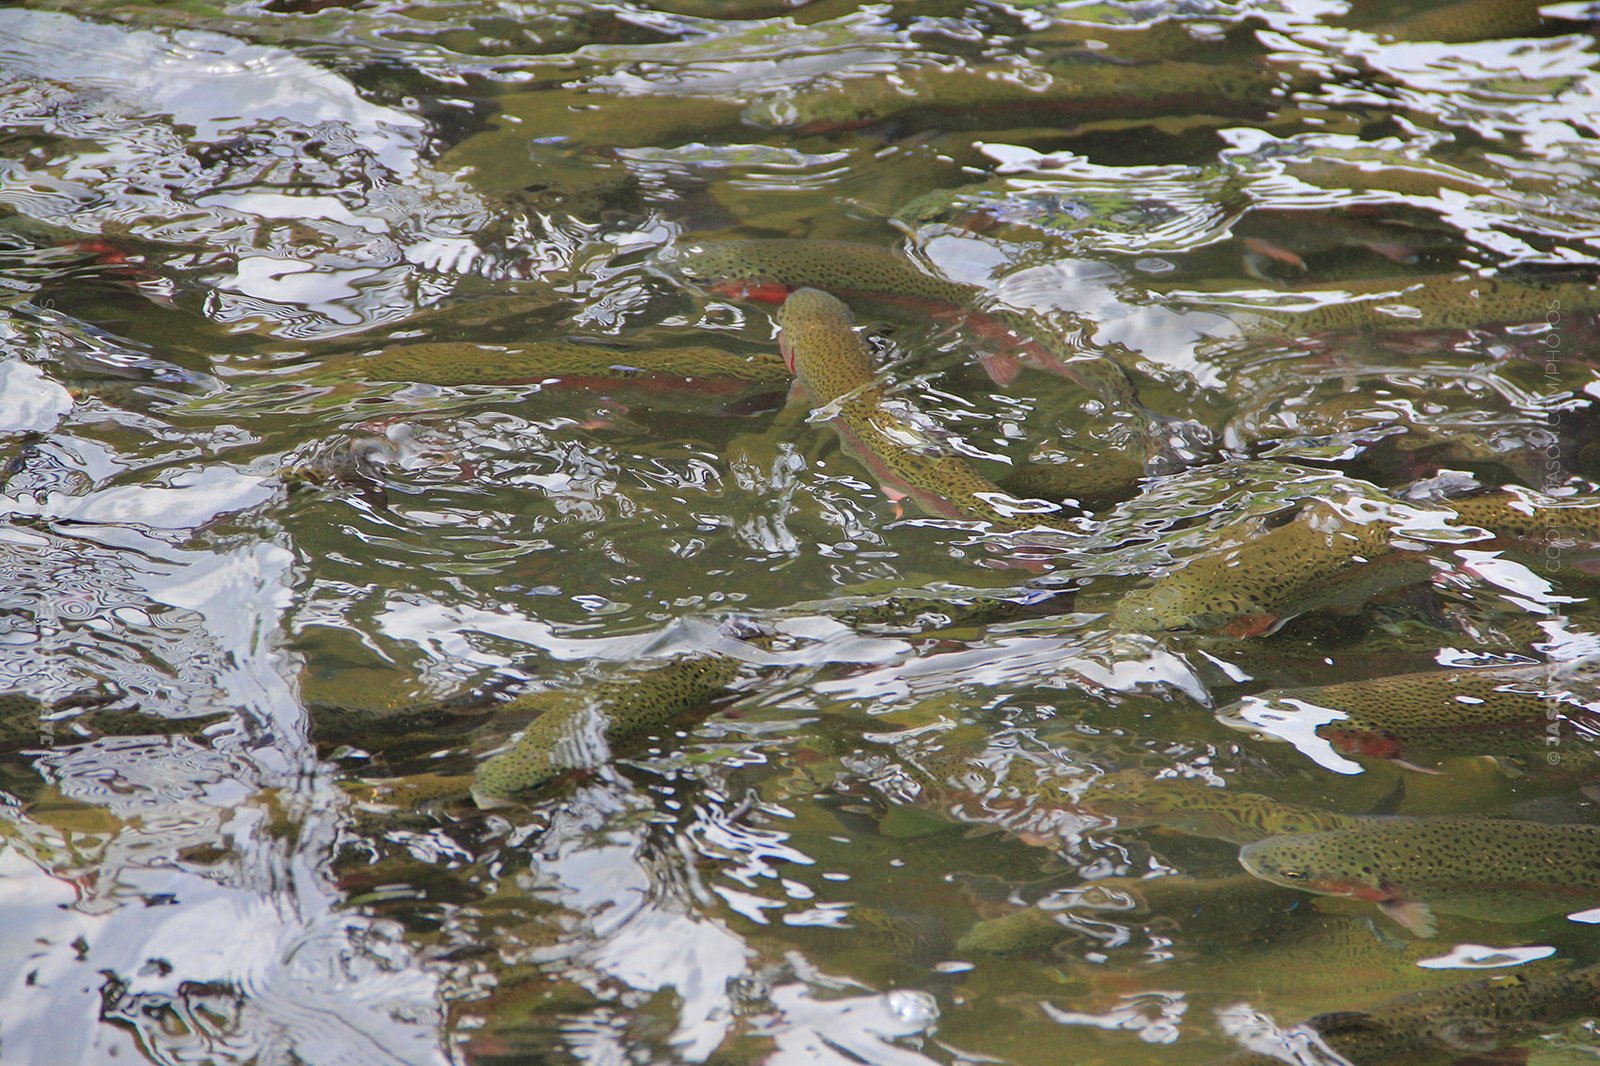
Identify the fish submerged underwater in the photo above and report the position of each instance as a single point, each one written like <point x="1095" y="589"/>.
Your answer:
<point x="511" y="518"/>
<point x="1492" y="870"/>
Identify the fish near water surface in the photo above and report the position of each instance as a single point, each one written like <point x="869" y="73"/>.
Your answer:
<point x="1469" y="20"/>
<point x="767" y="270"/>
<point x="1553" y="533"/>
<point x="461" y="363"/>
<point x="579" y="727"/>
<point x="1422" y="717"/>
<point x="1038" y="928"/>
<point x="1464" y="1021"/>
<point x="832" y="364"/>
<point x="1497" y="870"/>
<point x="1318" y="561"/>
<point x="1136" y="799"/>
<point x="1081" y="91"/>
<point x="1441" y="302"/>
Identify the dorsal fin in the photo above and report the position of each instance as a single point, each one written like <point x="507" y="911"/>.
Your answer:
<point x="1390" y="803"/>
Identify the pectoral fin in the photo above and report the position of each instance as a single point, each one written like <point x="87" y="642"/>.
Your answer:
<point x="1417" y="917"/>
<point x="1002" y="369"/>
<point x="1251" y="625"/>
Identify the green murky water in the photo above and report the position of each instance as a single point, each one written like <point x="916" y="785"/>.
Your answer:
<point x="431" y="631"/>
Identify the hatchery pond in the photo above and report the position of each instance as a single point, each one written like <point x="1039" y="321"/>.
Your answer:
<point x="435" y="626"/>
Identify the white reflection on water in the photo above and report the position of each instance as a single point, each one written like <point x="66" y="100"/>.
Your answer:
<point x="1295" y="721"/>
<point x="190" y="499"/>
<point x="638" y="923"/>
<point x="143" y="108"/>
<point x="844" y="1031"/>
<point x="1116" y="662"/>
<point x="28" y="401"/>
<point x="1257" y="1031"/>
<point x="1479" y="957"/>
<point x="455" y="632"/>
<point x="180" y="883"/>
<point x="204" y="80"/>
<point x="640" y="927"/>
<point x="1155" y="1016"/>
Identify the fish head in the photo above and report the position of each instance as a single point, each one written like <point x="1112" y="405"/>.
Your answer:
<point x="818" y="341"/>
<point x="1328" y="864"/>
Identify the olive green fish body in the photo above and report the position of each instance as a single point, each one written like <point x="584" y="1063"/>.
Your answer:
<point x="923" y="612"/>
<point x="1319" y="561"/>
<point x="1038" y="928"/>
<point x="984" y="94"/>
<point x="461" y="363"/>
<point x="26" y="721"/>
<point x="1440" y="303"/>
<point x="580" y="728"/>
<point x="1200" y="810"/>
<point x="1469" y="20"/>
<point x="768" y="269"/>
<point x="1092" y="481"/>
<point x="1028" y="931"/>
<point x="832" y="363"/>
<point x="1557" y="534"/>
<point x="1398" y="175"/>
<point x="400" y="732"/>
<point x="1455" y="1021"/>
<point x="1440" y="713"/>
<point x="412" y="791"/>
<point x="846" y="268"/>
<point x="1486" y="869"/>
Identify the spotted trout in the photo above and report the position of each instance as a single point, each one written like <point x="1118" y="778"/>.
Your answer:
<point x="1415" y="719"/>
<point x="986" y="94"/>
<point x="1496" y="870"/>
<point x="1034" y="929"/>
<point x="1135" y="799"/>
<point x="1318" y="561"/>
<point x="462" y="363"/>
<point x="1093" y="481"/>
<point x="1448" y="303"/>
<point x="1463" y="1022"/>
<point x="832" y="364"/>
<point x="579" y="727"/>
<point x="767" y="270"/>
<point x="1555" y="533"/>
<point x="1468" y="20"/>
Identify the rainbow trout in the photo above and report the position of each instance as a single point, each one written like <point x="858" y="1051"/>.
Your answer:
<point x="1038" y="928"/>
<point x="1423" y="717"/>
<point x="1188" y="807"/>
<point x="1002" y="92"/>
<point x="1463" y="1022"/>
<point x="1319" y="561"/>
<point x="1557" y="533"/>
<point x="767" y="270"/>
<point x="1496" y="870"/>
<point x="579" y="728"/>
<point x="27" y="722"/>
<point x="577" y="365"/>
<point x="1469" y="20"/>
<point x="1093" y="481"/>
<point x="1447" y="303"/>
<point x="833" y="365"/>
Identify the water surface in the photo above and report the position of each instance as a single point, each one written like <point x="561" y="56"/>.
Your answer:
<point x="214" y="513"/>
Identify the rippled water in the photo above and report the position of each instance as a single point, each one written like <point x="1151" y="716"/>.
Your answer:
<point x="300" y="527"/>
